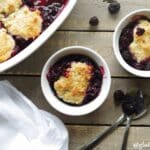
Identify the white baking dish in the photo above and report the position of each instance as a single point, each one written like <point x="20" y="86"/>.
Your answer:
<point x="40" y="40"/>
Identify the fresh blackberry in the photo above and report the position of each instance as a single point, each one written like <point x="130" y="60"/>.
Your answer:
<point x="118" y="96"/>
<point x="114" y="7"/>
<point x="140" y="31"/>
<point x="94" y="21"/>
<point x="128" y="104"/>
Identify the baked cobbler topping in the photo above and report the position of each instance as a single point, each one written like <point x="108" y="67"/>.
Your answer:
<point x="7" y="45"/>
<point x="140" y="47"/>
<point x="9" y="6"/>
<point x="25" y="20"/>
<point x="24" y="23"/>
<point x="75" y="79"/>
<point x="72" y="87"/>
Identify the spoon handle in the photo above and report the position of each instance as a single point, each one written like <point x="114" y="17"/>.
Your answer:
<point x="126" y="134"/>
<point x="94" y="142"/>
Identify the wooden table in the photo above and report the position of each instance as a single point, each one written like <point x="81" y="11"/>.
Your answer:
<point x="77" y="31"/>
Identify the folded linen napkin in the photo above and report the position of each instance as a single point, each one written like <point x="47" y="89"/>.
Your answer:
<point x="24" y="126"/>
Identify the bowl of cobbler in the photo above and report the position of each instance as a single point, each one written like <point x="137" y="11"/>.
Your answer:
<point x="26" y="24"/>
<point x="131" y="43"/>
<point x="76" y="80"/>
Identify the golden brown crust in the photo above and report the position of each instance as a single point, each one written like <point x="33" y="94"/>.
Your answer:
<point x="9" y="6"/>
<point x="72" y="88"/>
<point x="24" y="23"/>
<point x="140" y="47"/>
<point x="7" y="45"/>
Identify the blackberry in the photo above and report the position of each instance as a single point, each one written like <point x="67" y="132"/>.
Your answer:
<point x="94" y="21"/>
<point x="140" y="31"/>
<point x="118" y="96"/>
<point x="114" y="7"/>
<point x="128" y="104"/>
<point x="133" y="104"/>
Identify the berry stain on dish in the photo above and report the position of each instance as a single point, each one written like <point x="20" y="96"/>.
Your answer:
<point x="16" y="33"/>
<point x="75" y="79"/>
<point x="134" y="43"/>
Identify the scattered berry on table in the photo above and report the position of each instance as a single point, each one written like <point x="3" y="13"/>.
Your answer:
<point x="118" y="96"/>
<point x="94" y="21"/>
<point x="114" y="7"/>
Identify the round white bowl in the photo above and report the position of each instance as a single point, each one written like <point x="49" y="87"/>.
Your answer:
<point x="118" y="30"/>
<point x="76" y="110"/>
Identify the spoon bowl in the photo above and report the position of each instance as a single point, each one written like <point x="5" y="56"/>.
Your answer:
<point x="134" y="116"/>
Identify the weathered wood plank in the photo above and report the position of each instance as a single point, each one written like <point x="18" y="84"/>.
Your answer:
<point x="107" y="114"/>
<point x="82" y="134"/>
<point x="85" y="9"/>
<point x="99" y="41"/>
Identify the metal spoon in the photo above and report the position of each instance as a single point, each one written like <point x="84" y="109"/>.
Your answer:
<point x="120" y="120"/>
<point x="99" y="138"/>
<point x="126" y="133"/>
<point x="140" y="113"/>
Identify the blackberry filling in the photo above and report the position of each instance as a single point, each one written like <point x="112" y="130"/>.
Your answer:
<point x="50" y="9"/>
<point x="127" y="37"/>
<point x="62" y="70"/>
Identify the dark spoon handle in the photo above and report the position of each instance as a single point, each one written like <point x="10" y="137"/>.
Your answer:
<point x="94" y="142"/>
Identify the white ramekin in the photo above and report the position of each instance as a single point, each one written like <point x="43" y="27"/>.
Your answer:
<point x="40" y="40"/>
<point x="116" y="36"/>
<point x="76" y="110"/>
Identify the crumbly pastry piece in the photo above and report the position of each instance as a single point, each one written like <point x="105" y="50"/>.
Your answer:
<point x="7" y="45"/>
<point x="140" y="47"/>
<point x="24" y="23"/>
<point x="1" y="17"/>
<point x="72" y="87"/>
<point x="9" y="6"/>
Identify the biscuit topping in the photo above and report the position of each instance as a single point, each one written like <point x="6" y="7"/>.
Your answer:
<point x="140" y="47"/>
<point x="24" y="23"/>
<point x="7" y="45"/>
<point x="72" y="87"/>
<point x="9" y="6"/>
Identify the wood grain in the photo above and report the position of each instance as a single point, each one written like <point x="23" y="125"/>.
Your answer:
<point x="80" y="135"/>
<point x="101" y="42"/>
<point x="85" y="9"/>
<point x="107" y="114"/>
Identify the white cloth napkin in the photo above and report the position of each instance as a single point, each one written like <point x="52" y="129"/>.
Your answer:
<point x="24" y="127"/>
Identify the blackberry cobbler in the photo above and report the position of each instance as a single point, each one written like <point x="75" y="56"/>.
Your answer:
<point x="75" y="79"/>
<point x="22" y="21"/>
<point x="134" y="43"/>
